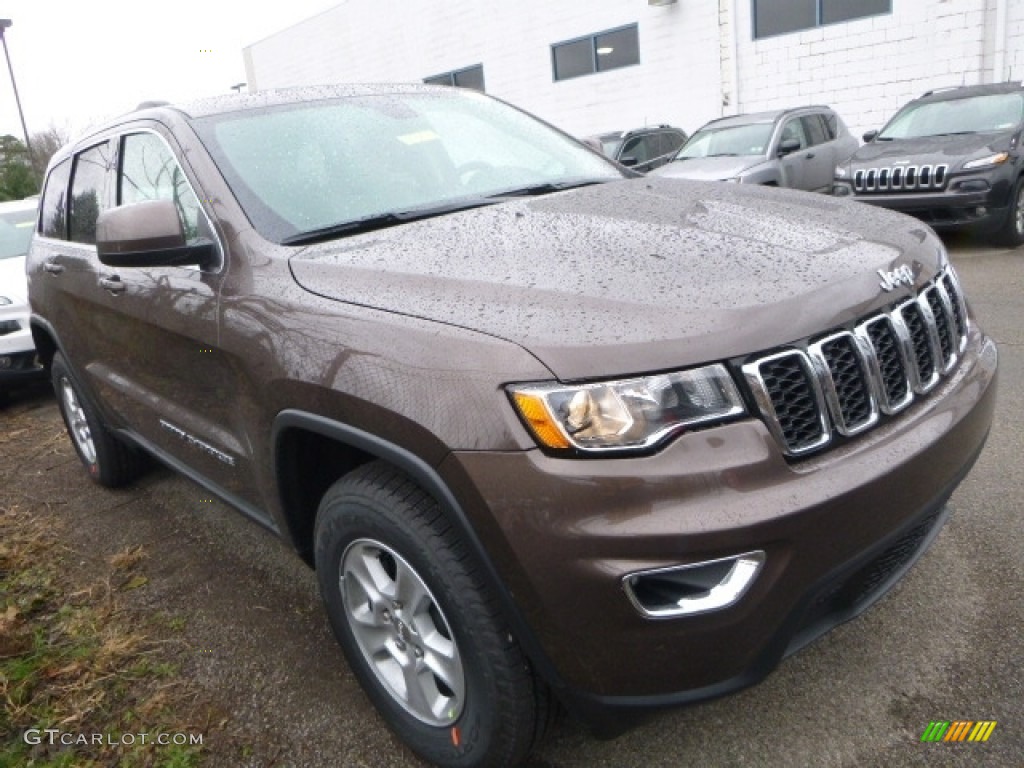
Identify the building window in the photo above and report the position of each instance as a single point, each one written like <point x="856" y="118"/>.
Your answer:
<point x="470" y="77"/>
<point x="596" y="53"/>
<point x="777" y="17"/>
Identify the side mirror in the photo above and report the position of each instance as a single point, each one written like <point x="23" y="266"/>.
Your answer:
<point x="148" y="234"/>
<point x="870" y="136"/>
<point x="628" y="160"/>
<point x="788" y="146"/>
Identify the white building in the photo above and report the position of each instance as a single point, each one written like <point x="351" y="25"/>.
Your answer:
<point x="681" y="62"/>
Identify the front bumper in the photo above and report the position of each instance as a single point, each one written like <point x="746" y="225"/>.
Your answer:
<point x="951" y="208"/>
<point x="836" y="530"/>
<point x="17" y="351"/>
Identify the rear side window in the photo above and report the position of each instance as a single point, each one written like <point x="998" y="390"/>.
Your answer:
<point x="90" y="191"/>
<point x="149" y="171"/>
<point x="54" y="219"/>
<point x="815" y="129"/>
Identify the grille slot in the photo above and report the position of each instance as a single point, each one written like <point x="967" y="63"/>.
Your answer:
<point x="788" y="389"/>
<point x="844" y="382"/>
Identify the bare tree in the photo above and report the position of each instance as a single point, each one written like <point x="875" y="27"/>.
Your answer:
<point x="45" y="145"/>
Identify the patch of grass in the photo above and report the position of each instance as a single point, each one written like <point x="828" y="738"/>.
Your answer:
<point x="75" y="660"/>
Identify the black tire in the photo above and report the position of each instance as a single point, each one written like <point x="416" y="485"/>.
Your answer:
<point x="1012" y="233"/>
<point x="108" y="461"/>
<point x="497" y="710"/>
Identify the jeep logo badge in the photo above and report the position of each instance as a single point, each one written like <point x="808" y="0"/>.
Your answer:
<point x="902" y="275"/>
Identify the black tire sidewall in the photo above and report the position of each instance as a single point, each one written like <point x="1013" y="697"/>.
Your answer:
<point x="105" y="470"/>
<point x="345" y="521"/>
<point x="1010" y="235"/>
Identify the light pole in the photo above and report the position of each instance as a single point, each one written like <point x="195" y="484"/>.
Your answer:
<point x="4" y="24"/>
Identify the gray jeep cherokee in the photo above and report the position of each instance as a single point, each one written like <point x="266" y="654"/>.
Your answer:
<point x="547" y="431"/>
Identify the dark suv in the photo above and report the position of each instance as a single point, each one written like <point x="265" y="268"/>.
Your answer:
<point x="642" y="149"/>
<point x="953" y="158"/>
<point x="547" y="431"/>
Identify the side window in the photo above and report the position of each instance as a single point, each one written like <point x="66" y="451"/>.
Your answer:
<point x="54" y="219"/>
<point x="90" y="191"/>
<point x="815" y="129"/>
<point x="635" y="147"/>
<point x="671" y="142"/>
<point x="794" y="130"/>
<point x="831" y="125"/>
<point x="149" y="171"/>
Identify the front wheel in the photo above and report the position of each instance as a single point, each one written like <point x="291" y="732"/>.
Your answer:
<point x="1012" y="233"/>
<point x="420" y="631"/>
<point x="108" y="461"/>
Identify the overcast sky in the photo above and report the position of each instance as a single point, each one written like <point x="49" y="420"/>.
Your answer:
<point x="79" y="61"/>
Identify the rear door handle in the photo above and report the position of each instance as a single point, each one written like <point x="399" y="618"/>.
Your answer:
<point x="53" y="268"/>
<point x="810" y="155"/>
<point x="113" y="284"/>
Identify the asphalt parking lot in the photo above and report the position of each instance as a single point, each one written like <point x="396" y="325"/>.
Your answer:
<point x="944" y="645"/>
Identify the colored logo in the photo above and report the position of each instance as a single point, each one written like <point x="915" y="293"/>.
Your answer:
<point x="958" y="730"/>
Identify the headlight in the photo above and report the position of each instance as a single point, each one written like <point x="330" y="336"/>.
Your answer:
<point x="629" y="414"/>
<point x="734" y="180"/>
<point x="841" y="172"/>
<point x="4" y="301"/>
<point x="981" y="162"/>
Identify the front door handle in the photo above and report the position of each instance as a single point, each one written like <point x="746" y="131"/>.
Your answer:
<point x="810" y="155"/>
<point x="113" y="284"/>
<point x="53" y="268"/>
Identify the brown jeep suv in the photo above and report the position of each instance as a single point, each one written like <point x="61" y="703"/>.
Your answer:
<point x="547" y="430"/>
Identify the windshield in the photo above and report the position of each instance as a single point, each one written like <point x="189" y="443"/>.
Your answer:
<point x="610" y="146"/>
<point x="977" y="114"/>
<point x="316" y="166"/>
<point x="728" y="140"/>
<point x="16" y="228"/>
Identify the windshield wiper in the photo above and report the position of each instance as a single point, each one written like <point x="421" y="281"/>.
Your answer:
<point x="544" y="189"/>
<point x="382" y="220"/>
<point x="955" y="133"/>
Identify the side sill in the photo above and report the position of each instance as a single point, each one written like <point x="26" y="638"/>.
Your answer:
<point x="254" y="513"/>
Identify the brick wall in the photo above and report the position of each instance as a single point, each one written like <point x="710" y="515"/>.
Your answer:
<point x="677" y="81"/>
<point x="866" y="69"/>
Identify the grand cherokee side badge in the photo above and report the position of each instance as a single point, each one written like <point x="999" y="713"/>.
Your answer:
<point x="902" y="275"/>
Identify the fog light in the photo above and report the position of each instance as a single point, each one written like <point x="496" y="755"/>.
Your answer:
<point x="840" y="190"/>
<point x="6" y="362"/>
<point x="980" y="211"/>
<point x="973" y="185"/>
<point x="686" y="590"/>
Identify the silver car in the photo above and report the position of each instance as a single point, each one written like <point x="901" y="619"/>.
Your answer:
<point x="797" y="148"/>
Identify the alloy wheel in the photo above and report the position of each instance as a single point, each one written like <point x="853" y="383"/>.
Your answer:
<point x="403" y="634"/>
<point x="78" y="424"/>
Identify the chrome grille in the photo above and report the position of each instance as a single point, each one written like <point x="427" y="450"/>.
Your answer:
<point x="901" y="178"/>
<point x="846" y="381"/>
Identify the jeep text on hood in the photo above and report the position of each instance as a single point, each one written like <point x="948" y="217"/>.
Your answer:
<point x="500" y="392"/>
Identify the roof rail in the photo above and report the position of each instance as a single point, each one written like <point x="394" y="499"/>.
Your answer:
<point x="150" y="104"/>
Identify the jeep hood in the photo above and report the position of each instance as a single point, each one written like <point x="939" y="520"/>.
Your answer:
<point x="635" y="275"/>
<point x="709" y="168"/>
<point x="930" y="149"/>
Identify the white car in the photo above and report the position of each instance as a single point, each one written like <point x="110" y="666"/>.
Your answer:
<point x="17" y="351"/>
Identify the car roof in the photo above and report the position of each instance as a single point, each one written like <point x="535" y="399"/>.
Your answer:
<point x="967" y="91"/>
<point x="769" y="116"/>
<point x="234" y="102"/>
